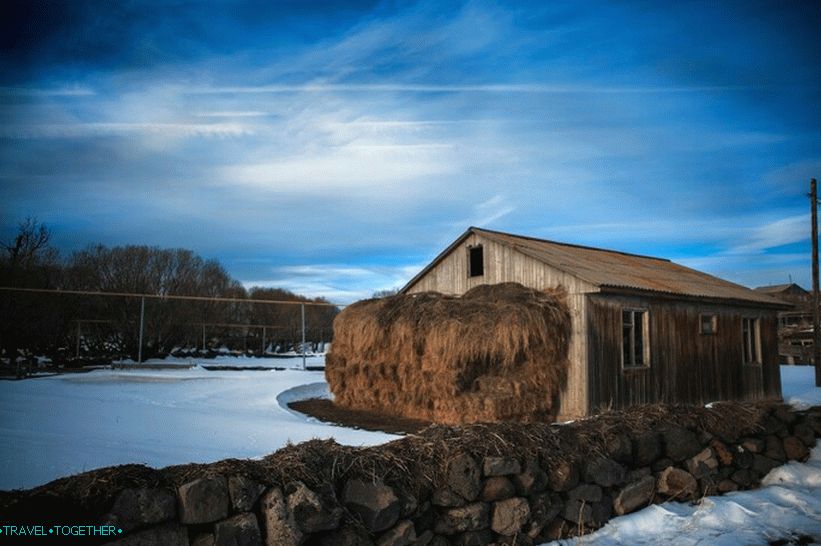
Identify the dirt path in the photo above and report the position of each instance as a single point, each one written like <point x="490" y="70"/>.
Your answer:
<point x="326" y="411"/>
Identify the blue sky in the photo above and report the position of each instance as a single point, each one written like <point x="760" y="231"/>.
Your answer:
<point x="334" y="148"/>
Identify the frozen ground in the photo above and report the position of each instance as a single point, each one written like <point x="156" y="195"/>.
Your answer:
<point x="59" y="425"/>
<point x="289" y="360"/>
<point x="788" y="506"/>
<point x="798" y="386"/>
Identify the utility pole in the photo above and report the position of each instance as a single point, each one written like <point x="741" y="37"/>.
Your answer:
<point x="142" y="322"/>
<point x="816" y="343"/>
<point x="304" y="366"/>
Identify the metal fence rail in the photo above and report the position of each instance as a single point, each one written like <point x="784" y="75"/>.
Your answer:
<point x="175" y="297"/>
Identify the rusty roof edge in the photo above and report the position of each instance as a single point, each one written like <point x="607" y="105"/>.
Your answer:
<point x="498" y="236"/>
<point x="538" y="257"/>
<point x="632" y="290"/>
<point x="755" y="297"/>
<point x="571" y="245"/>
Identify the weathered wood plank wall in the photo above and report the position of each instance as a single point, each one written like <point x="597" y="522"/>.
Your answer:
<point x="685" y="365"/>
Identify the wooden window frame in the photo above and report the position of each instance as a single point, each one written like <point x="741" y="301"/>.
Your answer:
<point x="713" y="324"/>
<point x="470" y="250"/>
<point x="645" y="338"/>
<point x="751" y="340"/>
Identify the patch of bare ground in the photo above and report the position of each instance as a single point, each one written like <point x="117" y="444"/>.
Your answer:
<point x="325" y="410"/>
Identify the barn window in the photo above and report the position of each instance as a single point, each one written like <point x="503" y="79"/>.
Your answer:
<point x="476" y="261"/>
<point x="751" y="337"/>
<point x="708" y="323"/>
<point x="635" y="350"/>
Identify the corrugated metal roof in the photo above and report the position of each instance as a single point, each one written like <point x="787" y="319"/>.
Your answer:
<point x="778" y="288"/>
<point x="620" y="270"/>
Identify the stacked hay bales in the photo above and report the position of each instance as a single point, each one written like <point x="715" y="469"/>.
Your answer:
<point x="497" y="353"/>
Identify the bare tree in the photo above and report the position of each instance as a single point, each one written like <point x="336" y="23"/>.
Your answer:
<point x="285" y="320"/>
<point x="30" y="321"/>
<point x="152" y="270"/>
<point x="385" y="293"/>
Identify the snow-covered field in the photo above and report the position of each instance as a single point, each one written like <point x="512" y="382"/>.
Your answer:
<point x="59" y="425"/>
<point x="289" y="361"/>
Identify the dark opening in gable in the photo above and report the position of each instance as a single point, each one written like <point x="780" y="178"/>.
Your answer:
<point x="476" y="266"/>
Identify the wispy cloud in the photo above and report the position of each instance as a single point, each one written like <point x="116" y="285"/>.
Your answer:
<point x="233" y="114"/>
<point x="774" y="234"/>
<point x="77" y="130"/>
<point x="500" y="88"/>
<point x="338" y="283"/>
<point x="66" y="91"/>
<point x="487" y="212"/>
<point x="348" y="167"/>
<point x="793" y="178"/>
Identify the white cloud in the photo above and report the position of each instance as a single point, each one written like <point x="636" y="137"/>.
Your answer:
<point x="67" y="91"/>
<point x="233" y="114"/>
<point x="484" y="214"/>
<point x="325" y="271"/>
<point x="74" y="130"/>
<point x="502" y="88"/>
<point x="794" y="177"/>
<point x="340" y="284"/>
<point x="349" y="167"/>
<point x="774" y="234"/>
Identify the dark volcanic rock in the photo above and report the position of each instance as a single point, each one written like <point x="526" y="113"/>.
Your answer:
<point x="244" y="493"/>
<point x="204" y="500"/>
<point x="634" y="495"/>
<point x="473" y="517"/>
<point x="241" y="529"/>
<point x="680" y="443"/>
<point x="501" y="466"/>
<point x="497" y="488"/>
<point x="675" y="483"/>
<point x="508" y="516"/>
<point x="141" y="507"/>
<point x="376" y="503"/>
<point x="463" y="477"/>
<point x="605" y="472"/>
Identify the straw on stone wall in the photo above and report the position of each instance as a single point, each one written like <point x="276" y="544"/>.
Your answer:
<point x="497" y="353"/>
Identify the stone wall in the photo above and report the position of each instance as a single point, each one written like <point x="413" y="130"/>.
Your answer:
<point x="510" y="496"/>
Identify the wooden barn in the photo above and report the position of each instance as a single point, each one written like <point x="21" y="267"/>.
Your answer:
<point x="644" y="329"/>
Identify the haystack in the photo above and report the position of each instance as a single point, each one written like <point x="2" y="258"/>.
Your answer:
<point x="497" y="353"/>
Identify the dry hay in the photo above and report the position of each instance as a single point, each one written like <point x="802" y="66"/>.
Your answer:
<point x="497" y="353"/>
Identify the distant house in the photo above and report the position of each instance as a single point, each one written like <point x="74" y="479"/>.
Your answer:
<point x="795" y="325"/>
<point x="791" y="293"/>
<point x="644" y="329"/>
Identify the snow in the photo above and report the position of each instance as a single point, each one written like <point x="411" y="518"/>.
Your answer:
<point x="798" y="386"/>
<point x="64" y="424"/>
<point x="787" y="506"/>
<point x="59" y="425"/>
<point x="287" y="360"/>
